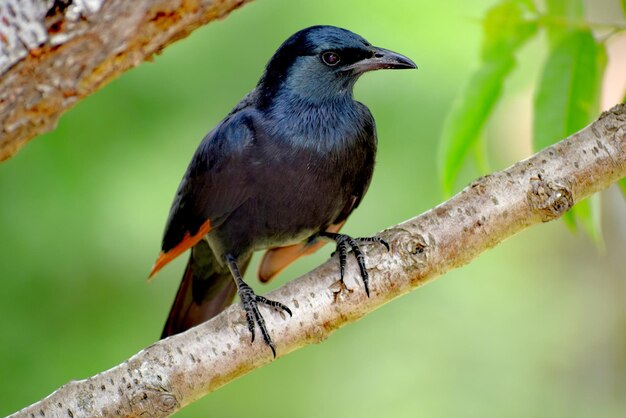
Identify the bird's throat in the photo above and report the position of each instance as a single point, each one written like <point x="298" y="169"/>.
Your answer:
<point x="321" y="124"/>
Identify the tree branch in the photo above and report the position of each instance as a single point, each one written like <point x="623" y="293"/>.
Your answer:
<point x="174" y="372"/>
<point x="55" y="52"/>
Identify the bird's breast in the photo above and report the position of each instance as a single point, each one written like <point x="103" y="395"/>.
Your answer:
<point x="302" y="170"/>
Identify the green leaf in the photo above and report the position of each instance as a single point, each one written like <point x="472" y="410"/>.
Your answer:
<point x="587" y="214"/>
<point x="622" y="185"/>
<point x="569" y="218"/>
<point x="562" y="17"/>
<point x="624" y="6"/>
<point x="505" y="29"/>
<point x="569" y="90"/>
<point x="530" y="5"/>
<point x="571" y="9"/>
<point x="467" y="117"/>
<point x="480" y="154"/>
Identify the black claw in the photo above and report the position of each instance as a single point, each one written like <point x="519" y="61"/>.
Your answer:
<point x="250" y="320"/>
<point x="250" y="302"/>
<point x="343" y="242"/>
<point x="361" y="262"/>
<point x="274" y="304"/>
<point x="375" y="239"/>
<point x="342" y="248"/>
<point x="284" y="308"/>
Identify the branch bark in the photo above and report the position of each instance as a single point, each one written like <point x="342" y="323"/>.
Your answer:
<point x="174" y="372"/>
<point x="55" y="52"/>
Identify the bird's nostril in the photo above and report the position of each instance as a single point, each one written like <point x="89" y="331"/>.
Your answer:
<point x="378" y="55"/>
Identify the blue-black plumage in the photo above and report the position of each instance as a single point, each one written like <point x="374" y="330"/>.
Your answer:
<point x="283" y="170"/>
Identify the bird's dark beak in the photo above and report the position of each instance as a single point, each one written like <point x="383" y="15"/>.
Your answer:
<point x="382" y="59"/>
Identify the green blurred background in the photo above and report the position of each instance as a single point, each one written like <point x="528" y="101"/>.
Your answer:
<point x="534" y="328"/>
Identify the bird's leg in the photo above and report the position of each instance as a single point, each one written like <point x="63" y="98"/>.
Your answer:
<point x="250" y="301"/>
<point x="344" y="243"/>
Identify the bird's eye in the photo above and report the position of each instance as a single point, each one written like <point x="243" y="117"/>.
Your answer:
<point x="331" y="58"/>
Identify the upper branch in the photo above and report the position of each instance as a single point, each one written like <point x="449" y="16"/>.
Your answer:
<point x="55" y="52"/>
<point x="174" y="372"/>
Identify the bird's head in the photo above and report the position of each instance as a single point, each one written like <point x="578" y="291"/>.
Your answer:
<point x="324" y="62"/>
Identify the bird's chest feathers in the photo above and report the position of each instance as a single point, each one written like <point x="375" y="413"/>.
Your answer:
<point x="326" y="127"/>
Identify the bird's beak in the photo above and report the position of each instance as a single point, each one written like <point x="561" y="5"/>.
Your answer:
<point x="382" y="59"/>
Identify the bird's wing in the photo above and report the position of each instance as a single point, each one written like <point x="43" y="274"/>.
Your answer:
<point x="214" y="185"/>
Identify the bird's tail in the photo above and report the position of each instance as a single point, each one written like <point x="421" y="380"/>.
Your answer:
<point x="207" y="289"/>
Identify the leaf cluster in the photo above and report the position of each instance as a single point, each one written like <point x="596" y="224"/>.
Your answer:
<point x="567" y="94"/>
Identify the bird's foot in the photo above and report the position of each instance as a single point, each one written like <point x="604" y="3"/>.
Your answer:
<point x="250" y="302"/>
<point x="346" y="243"/>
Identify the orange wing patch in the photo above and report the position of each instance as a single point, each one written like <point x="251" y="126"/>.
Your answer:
<point x="277" y="259"/>
<point x="187" y="242"/>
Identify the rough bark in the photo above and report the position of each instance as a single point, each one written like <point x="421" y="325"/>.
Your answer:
<point x="55" y="52"/>
<point x="171" y="373"/>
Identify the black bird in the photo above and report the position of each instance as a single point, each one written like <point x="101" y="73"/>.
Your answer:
<point x="281" y="172"/>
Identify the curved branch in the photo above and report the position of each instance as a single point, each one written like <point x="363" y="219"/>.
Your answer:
<point x="55" y="52"/>
<point x="174" y="372"/>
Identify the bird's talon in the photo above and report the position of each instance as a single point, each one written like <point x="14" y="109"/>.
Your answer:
<point x="345" y="242"/>
<point x="375" y="239"/>
<point x="250" y="302"/>
<point x="274" y="304"/>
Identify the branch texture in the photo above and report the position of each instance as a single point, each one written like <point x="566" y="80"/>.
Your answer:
<point x="53" y="53"/>
<point x="174" y="372"/>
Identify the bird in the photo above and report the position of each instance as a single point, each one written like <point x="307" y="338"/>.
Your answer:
<point x="281" y="173"/>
